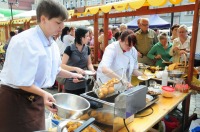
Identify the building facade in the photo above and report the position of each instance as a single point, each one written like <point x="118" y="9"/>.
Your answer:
<point x="179" y="18"/>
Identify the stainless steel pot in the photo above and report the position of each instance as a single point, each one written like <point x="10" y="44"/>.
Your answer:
<point x="70" y="106"/>
<point x="175" y="74"/>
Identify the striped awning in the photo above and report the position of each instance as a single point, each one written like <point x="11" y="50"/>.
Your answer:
<point x="19" y="21"/>
<point x="2" y="23"/>
<point x="124" y="5"/>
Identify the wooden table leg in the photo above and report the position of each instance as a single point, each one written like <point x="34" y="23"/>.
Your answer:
<point x="185" y="109"/>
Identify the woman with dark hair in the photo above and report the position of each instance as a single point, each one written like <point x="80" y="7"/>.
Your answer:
<point x="77" y="58"/>
<point x="61" y="45"/>
<point x="120" y="55"/>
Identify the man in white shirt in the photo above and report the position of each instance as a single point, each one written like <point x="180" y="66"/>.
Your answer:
<point x="32" y="62"/>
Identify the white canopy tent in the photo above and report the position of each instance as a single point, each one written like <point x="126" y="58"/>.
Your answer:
<point x="77" y="23"/>
<point x="25" y="14"/>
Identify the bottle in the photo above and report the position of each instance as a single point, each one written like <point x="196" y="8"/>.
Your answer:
<point x="165" y="77"/>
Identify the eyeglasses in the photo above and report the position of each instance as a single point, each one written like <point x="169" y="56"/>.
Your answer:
<point x="182" y="32"/>
<point x="145" y="25"/>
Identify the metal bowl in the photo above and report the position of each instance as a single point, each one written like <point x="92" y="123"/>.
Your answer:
<point x="175" y="73"/>
<point x="70" y="106"/>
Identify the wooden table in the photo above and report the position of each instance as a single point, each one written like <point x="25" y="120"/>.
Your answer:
<point x="161" y="108"/>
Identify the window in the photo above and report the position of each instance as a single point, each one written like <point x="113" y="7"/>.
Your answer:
<point x="71" y="4"/>
<point x="189" y="13"/>
<point x="106" y="1"/>
<point x="81" y="3"/>
<point x="77" y="3"/>
<point x="66" y="4"/>
<point x="88" y="3"/>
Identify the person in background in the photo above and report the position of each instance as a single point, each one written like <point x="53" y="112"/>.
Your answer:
<point x="101" y="47"/>
<point x="117" y="36"/>
<point x="120" y="55"/>
<point x="69" y="39"/>
<point x="91" y="35"/>
<point x="110" y="37"/>
<point x="138" y="23"/>
<point x="12" y="33"/>
<point x="77" y="58"/>
<point x="122" y="28"/>
<point x="61" y="45"/>
<point x="32" y="63"/>
<point x="101" y="31"/>
<point x="114" y="31"/>
<point x="181" y="45"/>
<point x="174" y="32"/>
<point x="146" y="38"/>
<point x="160" y="50"/>
<point x="157" y="30"/>
<point x="20" y="30"/>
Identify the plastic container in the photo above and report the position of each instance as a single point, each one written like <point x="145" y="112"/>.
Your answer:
<point x="165" y="77"/>
<point x="184" y="88"/>
<point x="168" y="91"/>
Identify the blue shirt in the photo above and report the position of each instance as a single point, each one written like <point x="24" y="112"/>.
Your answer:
<point x="31" y="59"/>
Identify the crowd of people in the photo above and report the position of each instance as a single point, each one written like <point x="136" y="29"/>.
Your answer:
<point x="35" y="57"/>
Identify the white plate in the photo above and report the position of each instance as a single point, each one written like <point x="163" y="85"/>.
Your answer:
<point x="88" y="72"/>
<point x="149" y="97"/>
<point x="143" y="79"/>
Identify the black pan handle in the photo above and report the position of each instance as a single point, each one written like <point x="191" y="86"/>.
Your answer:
<point x="85" y="124"/>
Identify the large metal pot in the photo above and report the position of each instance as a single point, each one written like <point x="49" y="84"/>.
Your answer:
<point x="70" y="106"/>
<point x="175" y="74"/>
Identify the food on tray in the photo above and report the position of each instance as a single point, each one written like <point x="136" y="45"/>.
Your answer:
<point x="154" y="68"/>
<point x="102" y="117"/>
<point x="85" y="117"/>
<point x="107" y="88"/>
<point x="153" y="92"/>
<point x="56" y="117"/>
<point x="72" y="126"/>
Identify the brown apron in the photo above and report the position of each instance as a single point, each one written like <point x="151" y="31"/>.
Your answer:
<point x="20" y="111"/>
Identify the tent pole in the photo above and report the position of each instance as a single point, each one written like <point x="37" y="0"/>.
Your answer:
<point x="11" y="4"/>
<point x="172" y="19"/>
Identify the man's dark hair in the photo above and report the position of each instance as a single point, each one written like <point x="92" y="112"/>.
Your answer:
<point x="51" y="9"/>
<point x="79" y="33"/>
<point x="175" y="26"/>
<point x="12" y="33"/>
<point x="156" y="29"/>
<point x="101" y="30"/>
<point x="65" y="31"/>
<point x="128" y="35"/>
<point x="117" y="35"/>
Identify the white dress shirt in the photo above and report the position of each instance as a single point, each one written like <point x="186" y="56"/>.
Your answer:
<point x="31" y="58"/>
<point x="115" y="59"/>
